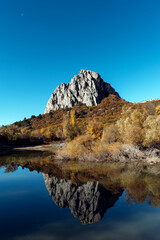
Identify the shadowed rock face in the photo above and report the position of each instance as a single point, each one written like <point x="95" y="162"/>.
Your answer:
<point x="87" y="202"/>
<point x="86" y="87"/>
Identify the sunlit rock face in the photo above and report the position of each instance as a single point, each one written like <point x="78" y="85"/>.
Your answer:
<point x="88" y="201"/>
<point x="87" y="87"/>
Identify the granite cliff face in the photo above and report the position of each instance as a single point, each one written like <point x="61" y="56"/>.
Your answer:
<point x="87" y="202"/>
<point x="87" y="87"/>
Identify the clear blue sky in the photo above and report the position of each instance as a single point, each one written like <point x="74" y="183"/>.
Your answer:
<point x="46" y="42"/>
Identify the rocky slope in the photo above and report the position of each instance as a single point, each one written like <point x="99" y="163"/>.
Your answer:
<point x="86" y="87"/>
<point x="87" y="202"/>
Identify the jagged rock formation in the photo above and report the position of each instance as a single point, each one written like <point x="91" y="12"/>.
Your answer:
<point x="86" y="87"/>
<point x="88" y="201"/>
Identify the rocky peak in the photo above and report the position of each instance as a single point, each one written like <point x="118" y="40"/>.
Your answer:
<point x="86" y="87"/>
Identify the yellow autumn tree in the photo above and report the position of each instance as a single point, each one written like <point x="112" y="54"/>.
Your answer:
<point x="152" y="131"/>
<point x="157" y="110"/>
<point x="73" y="117"/>
<point x="130" y="126"/>
<point x="70" y="128"/>
<point x="94" y="129"/>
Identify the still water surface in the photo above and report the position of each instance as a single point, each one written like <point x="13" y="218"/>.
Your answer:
<point x="36" y="203"/>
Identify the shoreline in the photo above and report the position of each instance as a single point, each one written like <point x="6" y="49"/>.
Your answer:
<point x="52" y="148"/>
<point x="127" y="154"/>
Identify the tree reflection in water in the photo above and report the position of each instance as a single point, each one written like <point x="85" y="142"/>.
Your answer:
<point x="89" y="189"/>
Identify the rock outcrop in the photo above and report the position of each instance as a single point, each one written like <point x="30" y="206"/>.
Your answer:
<point x="87" y="87"/>
<point x="87" y="202"/>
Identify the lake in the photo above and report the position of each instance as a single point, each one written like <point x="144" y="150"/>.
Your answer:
<point x="42" y="198"/>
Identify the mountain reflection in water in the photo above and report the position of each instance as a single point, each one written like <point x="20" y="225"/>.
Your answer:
<point x="89" y="189"/>
<point x="88" y="202"/>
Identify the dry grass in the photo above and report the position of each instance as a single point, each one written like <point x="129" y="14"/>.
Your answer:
<point x="76" y="149"/>
<point x="134" y="135"/>
<point x="84" y="148"/>
<point x="110" y="134"/>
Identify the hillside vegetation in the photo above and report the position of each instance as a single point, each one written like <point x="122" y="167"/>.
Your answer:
<point x="96" y="132"/>
<point x="134" y="135"/>
<point x="56" y="124"/>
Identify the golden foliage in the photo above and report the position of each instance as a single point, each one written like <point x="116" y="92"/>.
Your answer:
<point x="130" y="125"/>
<point x="73" y="150"/>
<point x="49" y="133"/>
<point x="85" y="140"/>
<point x="94" y="129"/>
<point x="77" y="148"/>
<point x="36" y="133"/>
<point x="157" y="110"/>
<point x="102" y="151"/>
<point x="73" y="118"/>
<point x="134" y="135"/>
<point x="73" y="179"/>
<point x="128" y="119"/>
<point x="42" y="130"/>
<point x="71" y="131"/>
<point x="110" y="134"/>
<point x="152" y="131"/>
<point x="113" y="148"/>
